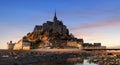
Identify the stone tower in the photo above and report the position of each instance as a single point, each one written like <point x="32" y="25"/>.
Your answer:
<point x="10" y="45"/>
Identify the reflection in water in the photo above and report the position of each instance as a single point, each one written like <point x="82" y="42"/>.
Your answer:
<point x="87" y="63"/>
<point x="68" y="61"/>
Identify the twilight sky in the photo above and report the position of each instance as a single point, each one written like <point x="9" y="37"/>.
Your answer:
<point x="92" y="20"/>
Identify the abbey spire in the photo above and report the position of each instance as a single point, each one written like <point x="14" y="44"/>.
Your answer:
<point x="55" y="17"/>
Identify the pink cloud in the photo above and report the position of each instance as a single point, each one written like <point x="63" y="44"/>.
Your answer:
<point x="107" y="23"/>
<point x="87" y="35"/>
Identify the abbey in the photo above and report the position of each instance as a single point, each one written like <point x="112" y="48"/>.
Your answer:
<point x="52" y="27"/>
<point x="52" y="34"/>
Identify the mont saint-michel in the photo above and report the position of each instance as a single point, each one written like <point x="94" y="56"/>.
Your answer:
<point x="51" y="34"/>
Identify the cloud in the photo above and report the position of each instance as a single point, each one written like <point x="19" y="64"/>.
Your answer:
<point x="107" y="23"/>
<point x="83" y="35"/>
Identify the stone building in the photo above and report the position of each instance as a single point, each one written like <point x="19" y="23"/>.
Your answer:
<point x="22" y="45"/>
<point x="54" y="26"/>
<point x="93" y="46"/>
<point x="10" y="45"/>
<point x="74" y="44"/>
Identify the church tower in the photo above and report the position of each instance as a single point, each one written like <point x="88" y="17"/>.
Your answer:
<point x="55" y="17"/>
